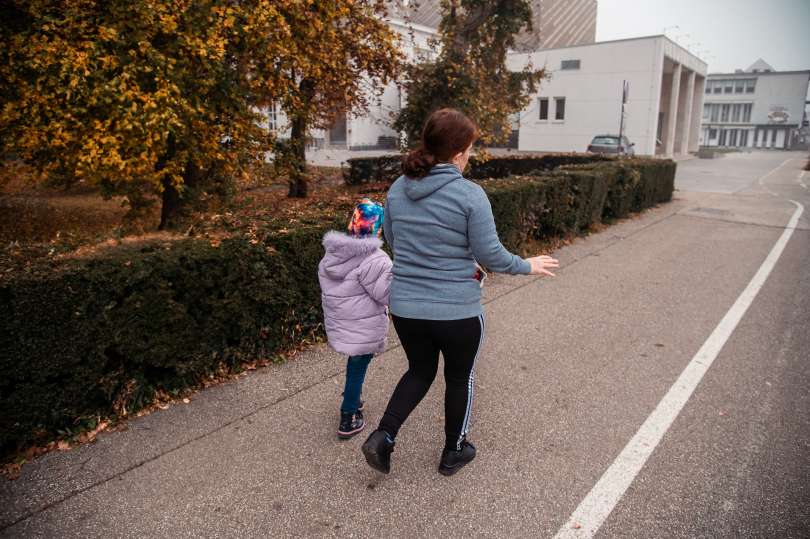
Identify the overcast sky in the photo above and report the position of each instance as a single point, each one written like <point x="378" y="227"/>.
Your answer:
<point x="728" y="34"/>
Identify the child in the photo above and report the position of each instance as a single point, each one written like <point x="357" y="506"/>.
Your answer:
<point x="355" y="275"/>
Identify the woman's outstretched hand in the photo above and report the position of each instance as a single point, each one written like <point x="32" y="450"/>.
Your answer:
<point x="542" y="264"/>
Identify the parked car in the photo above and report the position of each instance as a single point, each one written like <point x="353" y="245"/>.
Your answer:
<point x="609" y="144"/>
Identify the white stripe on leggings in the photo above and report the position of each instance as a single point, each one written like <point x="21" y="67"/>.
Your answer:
<point x="465" y="428"/>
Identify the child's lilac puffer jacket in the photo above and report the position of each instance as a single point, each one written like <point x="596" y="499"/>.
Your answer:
<point x="355" y="276"/>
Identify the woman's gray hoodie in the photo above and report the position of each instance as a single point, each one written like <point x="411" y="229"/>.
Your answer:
<point x="438" y="227"/>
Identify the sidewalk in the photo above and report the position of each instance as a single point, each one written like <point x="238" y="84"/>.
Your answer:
<point x="260" y="453"/>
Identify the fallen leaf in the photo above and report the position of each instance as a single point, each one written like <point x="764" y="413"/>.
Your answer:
<point x="62" y="445"/>
<point x="186" y="401"/>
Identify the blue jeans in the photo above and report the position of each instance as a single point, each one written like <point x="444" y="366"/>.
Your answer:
<point x="355" y="375"/>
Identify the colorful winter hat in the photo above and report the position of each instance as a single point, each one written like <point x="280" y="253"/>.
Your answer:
<point x="367" y="219"/>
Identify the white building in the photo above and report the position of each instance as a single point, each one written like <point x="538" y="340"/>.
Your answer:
<point x="755" y="108"/>
<point x="416" y="23"/>
<point x="583" y="96"/>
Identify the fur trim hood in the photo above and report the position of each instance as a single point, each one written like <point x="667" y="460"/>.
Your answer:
<point x="344" y="252"/>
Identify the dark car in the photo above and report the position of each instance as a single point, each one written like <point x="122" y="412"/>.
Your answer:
<point x="609" y="144"/>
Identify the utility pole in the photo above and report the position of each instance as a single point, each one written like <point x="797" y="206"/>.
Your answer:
<point x="625" y="89"/>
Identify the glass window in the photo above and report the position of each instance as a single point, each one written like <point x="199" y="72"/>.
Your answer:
<point x="712" y="134"/>
<point x="569" y="64"/>
<point x="724" y="113"/>
<point x="715" y="112"/>
<point x="739" y="86"/>
<point x="736" y="109"/>
<point x="773" y="137"/>
<point x="743" y="139"/>
<point x="746" y="112"/>
<point x="750" y="84"/>
<point x="732" y="137"/>
<point x="706" y="111"/>
<point x="559" y="108"/>
<point x="728" y="85"/>
<point x="606" y="141"/>
<point x="722" y="141"/>
<point x="544" y="108"/>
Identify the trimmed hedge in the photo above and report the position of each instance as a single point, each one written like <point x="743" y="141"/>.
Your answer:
<point x="99" y="336"/>
<point x="388" y="168"/>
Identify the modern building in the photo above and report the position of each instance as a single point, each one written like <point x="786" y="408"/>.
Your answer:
<point x="662" y="82"/>
<point x="755" y="108"/>
<point x="559" y="23"/>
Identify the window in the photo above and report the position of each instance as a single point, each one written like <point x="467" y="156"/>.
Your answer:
<point x="743" y="139"/>
<point x="746" y="112"/>
<point x="272" y="117"/>
<point x="544" y="108"/>
<point x="712" y="134"/>
<point x="559" y="108"/>
<point x="724" y="113"/>
<point x="773" y="137"/>
<point x="569" y="64"/>
<point x="715" y="112"/>
<point x="739" y="86"/>
<point x="706" y="111"/>
<point x="736" y="109"/>
<point x="732" y="137"/>
<point x="750" y="84"/>
<point x="728" y="86"/>
<point x="722" y="141"/>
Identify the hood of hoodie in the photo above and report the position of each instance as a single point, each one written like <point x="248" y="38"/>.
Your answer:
<point x="344" y="253"/>
<point x="439" y="176"/>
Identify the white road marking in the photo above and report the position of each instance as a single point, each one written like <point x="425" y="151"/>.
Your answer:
<point x="606" y="493"/>
<point x="761" y="180"/>
<point x="801" y="179"/>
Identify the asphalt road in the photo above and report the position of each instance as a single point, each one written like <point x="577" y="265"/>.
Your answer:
<point x="573" y="369"/>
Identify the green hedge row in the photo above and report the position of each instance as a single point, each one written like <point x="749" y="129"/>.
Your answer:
<point x="388" y="168"/>
<point x="99" y="335"/>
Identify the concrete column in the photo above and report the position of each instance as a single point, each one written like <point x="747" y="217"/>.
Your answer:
<point x="683" y="147"/>
<point x="697" y="113"/>
<point x="672" y="113"/>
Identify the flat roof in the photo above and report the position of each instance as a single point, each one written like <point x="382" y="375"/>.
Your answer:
<point x="541" y="49"/>
<point x="760" y="73"/>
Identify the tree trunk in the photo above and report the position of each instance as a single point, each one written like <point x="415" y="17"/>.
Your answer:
<point x="170" y="207"/>
<point x="174" y="205"/>
<point x="299" y="188"/>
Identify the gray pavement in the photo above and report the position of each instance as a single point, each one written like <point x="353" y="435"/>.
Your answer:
<point x="571" y="368"/>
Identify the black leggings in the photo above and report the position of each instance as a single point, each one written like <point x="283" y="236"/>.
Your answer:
<point x="460" y="342"/>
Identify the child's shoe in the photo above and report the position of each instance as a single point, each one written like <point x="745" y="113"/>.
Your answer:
<point x="350" y="424"/>
<point x="377" y="450"/>
<point x="452" y="460"/>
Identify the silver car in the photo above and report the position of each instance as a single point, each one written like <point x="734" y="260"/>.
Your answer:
<point x="609" y="144"/>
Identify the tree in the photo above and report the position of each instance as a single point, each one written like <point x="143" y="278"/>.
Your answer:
<point x="148" y="97"/>
<point x="341" y="53"/>
<point x="470" y="70"/>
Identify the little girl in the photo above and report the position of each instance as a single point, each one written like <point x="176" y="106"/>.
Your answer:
<point x="355" y="275"/>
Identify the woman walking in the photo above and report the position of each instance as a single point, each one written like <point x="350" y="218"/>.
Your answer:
<point x="439" y="226"/>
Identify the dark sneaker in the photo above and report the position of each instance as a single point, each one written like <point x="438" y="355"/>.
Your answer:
<point x="350" y="424"/>
<point x="452" y="460"/>
<point x="377" y="450"/>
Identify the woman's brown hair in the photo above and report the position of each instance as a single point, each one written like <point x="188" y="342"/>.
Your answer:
<point x="447" y="133"/>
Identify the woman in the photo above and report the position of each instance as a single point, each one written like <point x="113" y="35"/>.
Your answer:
<point x="439" y="225"/>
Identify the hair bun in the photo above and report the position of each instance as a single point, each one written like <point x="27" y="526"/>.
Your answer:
<point x="418" y="163"/>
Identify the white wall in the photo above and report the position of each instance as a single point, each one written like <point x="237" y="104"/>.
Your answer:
<point x="593" y="95"/>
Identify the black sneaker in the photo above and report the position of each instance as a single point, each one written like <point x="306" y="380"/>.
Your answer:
<point x="454" y="460"/>
<point x="350" y="424"/>
<point x="377" y="450"/>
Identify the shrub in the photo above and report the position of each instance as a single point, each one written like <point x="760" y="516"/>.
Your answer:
<point x="387" y="168"/>
<point x="100" y="335"/>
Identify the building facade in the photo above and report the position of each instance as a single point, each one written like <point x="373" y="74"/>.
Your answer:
<point x="559" y="23"/>
<point x="555" y="23"/>
<point x="755" y="108"/>
<point x="583" y="97"/>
